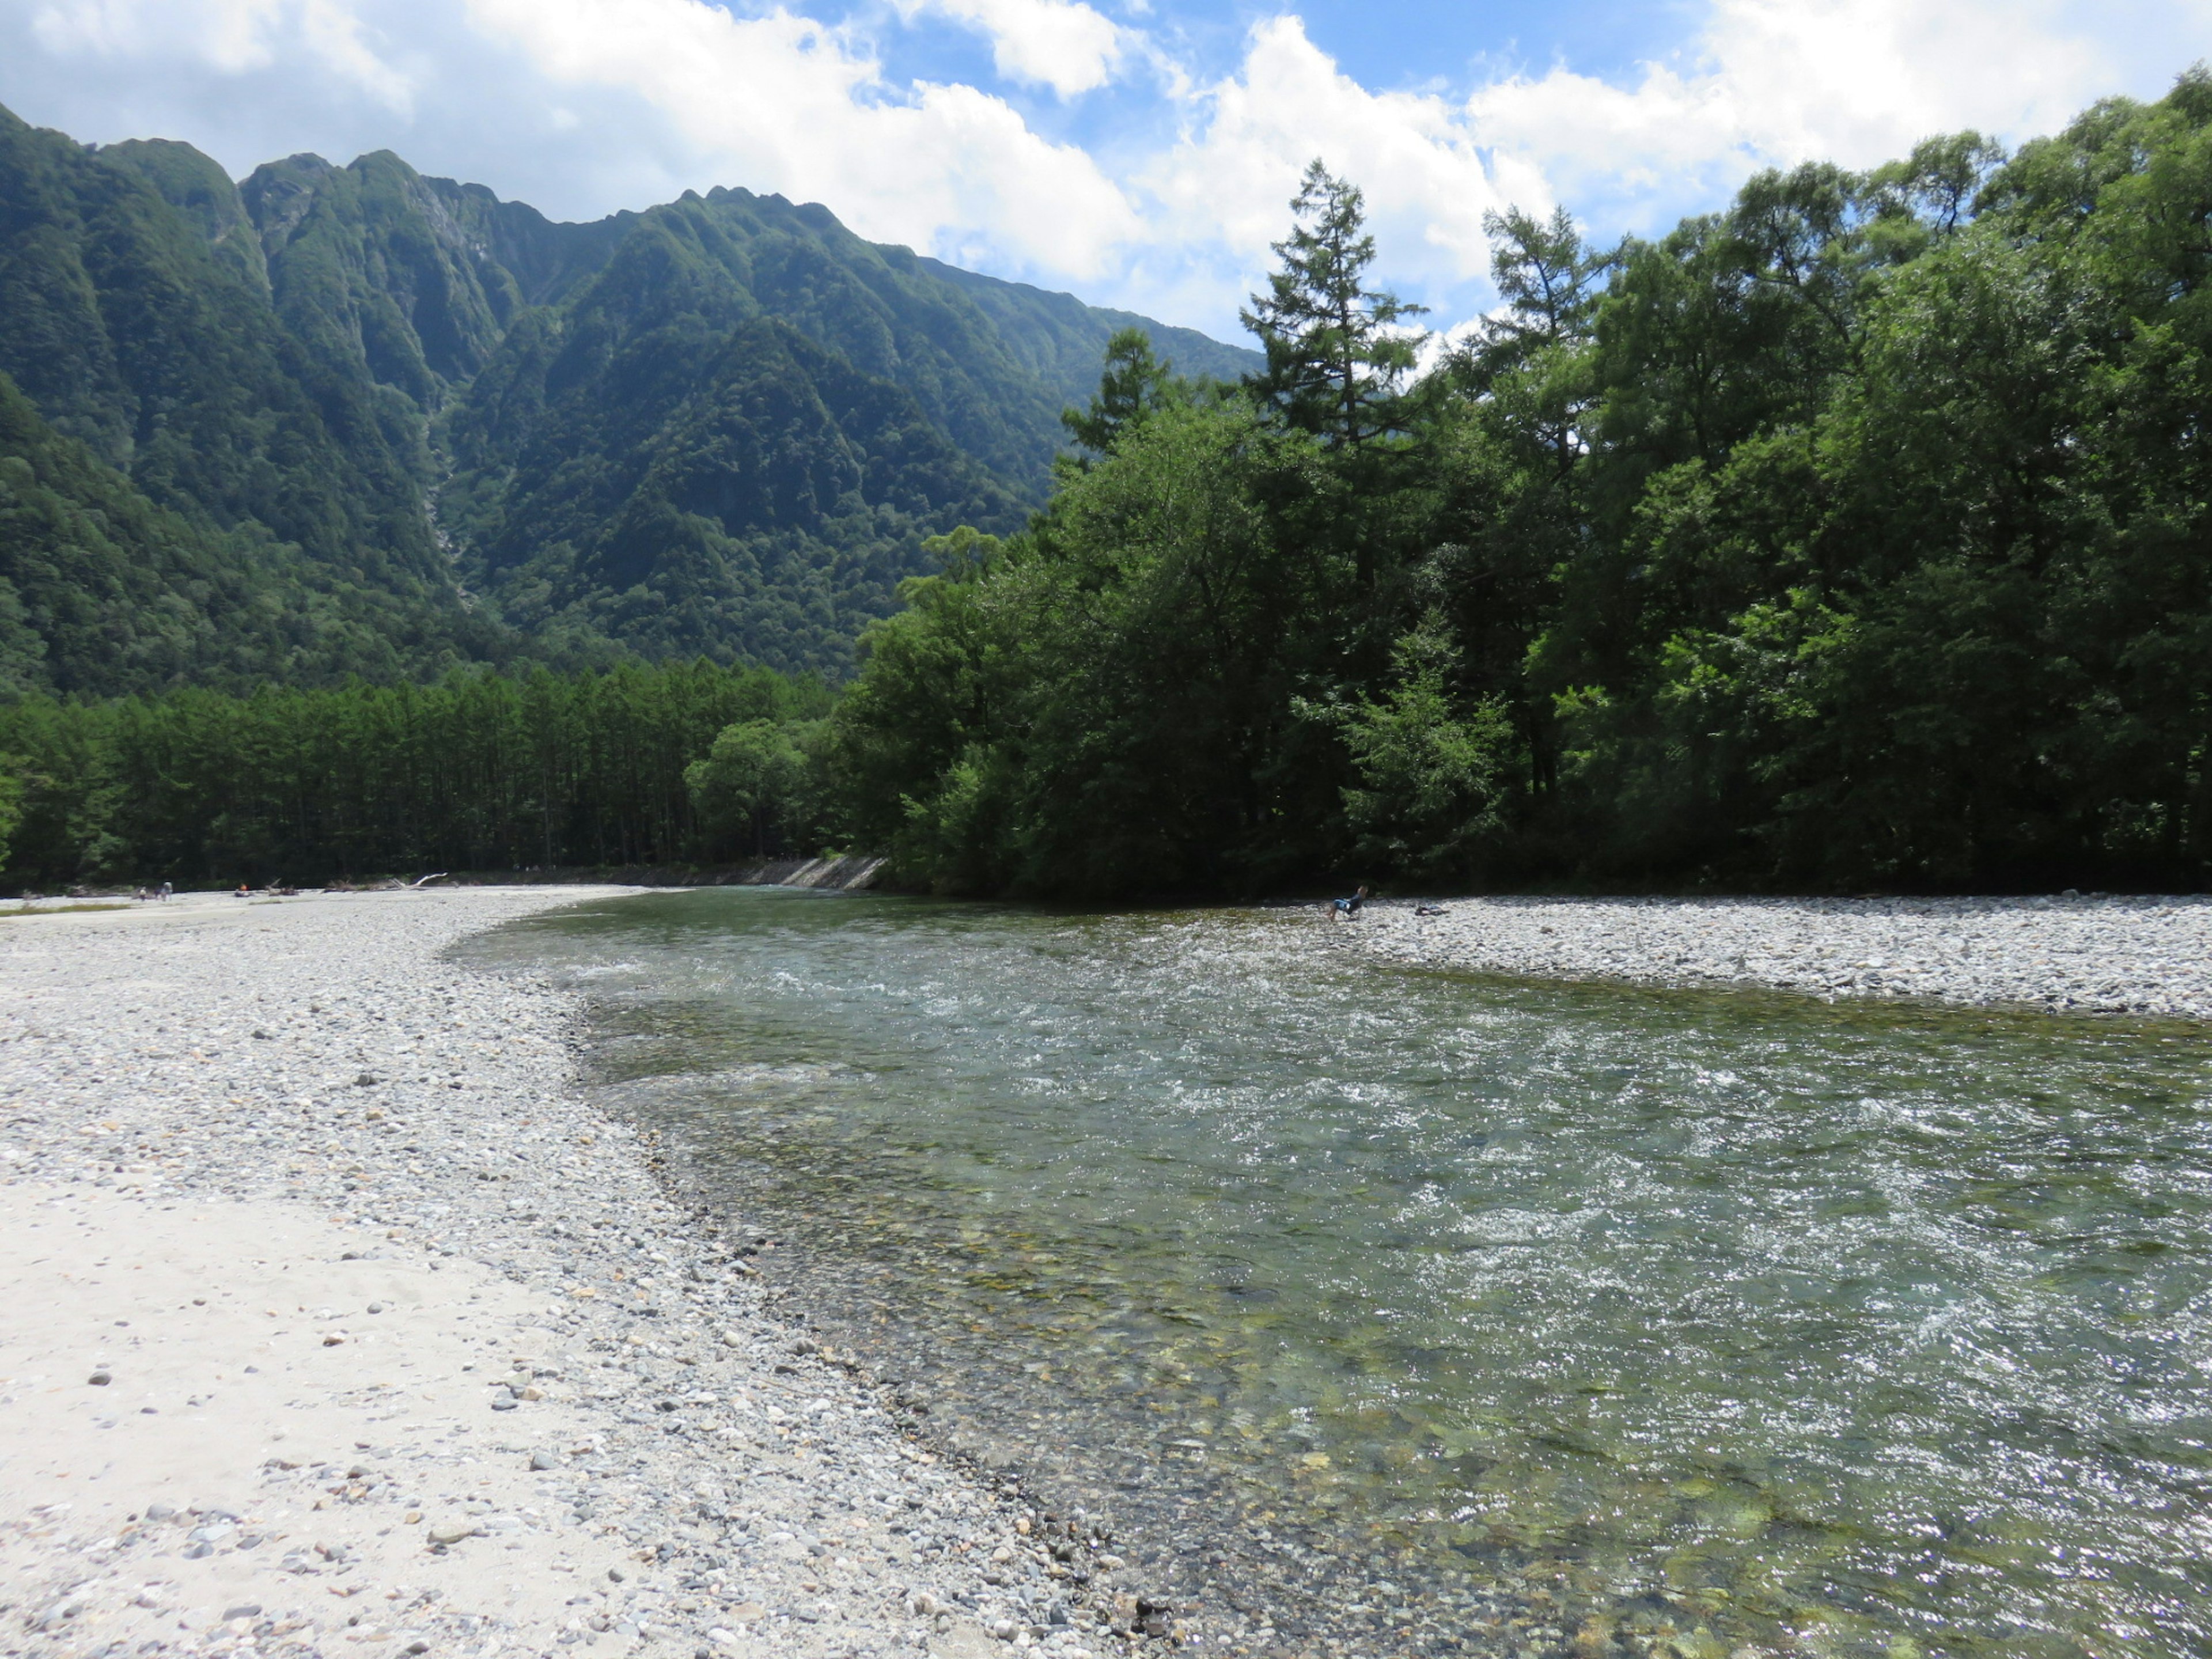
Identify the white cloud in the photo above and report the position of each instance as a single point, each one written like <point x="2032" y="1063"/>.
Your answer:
<point x="1060" y="43"/>
<point x="781" y="102"/>
<point x="1776" y="82"/>
<point x="581" y="107"/>
<point x="230" y="36"/>
<point x="1766" y="82"/>
<point x="1427" y="179"/>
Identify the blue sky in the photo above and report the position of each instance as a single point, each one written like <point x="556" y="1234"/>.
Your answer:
<point x="1137" y="152"/>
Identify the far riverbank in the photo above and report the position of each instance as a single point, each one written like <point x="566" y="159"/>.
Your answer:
<point x="2065" y="954"/>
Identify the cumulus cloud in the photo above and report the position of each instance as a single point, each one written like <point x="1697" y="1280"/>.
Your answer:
<point x="1765" y="83"/>
<point x="230" y="36"/>
<point x="1426" y="176"/>
<point x="1772" y="82"/>
<point x="1060" y="43"/>
<point x="1168" y="204"/>
<point x="790" y="104"/>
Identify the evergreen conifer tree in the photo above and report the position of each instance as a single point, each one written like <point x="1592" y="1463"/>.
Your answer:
<point x="1336" y="358"/>
<point x="1134" y="382"/>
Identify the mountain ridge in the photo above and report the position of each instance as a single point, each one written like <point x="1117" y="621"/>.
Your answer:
<point x="723" y="425"/>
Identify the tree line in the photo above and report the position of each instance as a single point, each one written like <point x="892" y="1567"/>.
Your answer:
<point x="478" y="771"/>
<point x="1854" y="535"/>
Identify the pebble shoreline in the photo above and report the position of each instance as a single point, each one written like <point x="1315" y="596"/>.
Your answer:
<point x="504" y="1395"/>
<point x="2066" y="954"/>
<point x="342" y="1321"/>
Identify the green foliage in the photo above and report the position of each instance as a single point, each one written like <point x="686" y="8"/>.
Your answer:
<point x="1135" y="383"/>
<point x="758" y="788"/>
<point x="1431" y="768"/>
<point x="1856" y="536"/>
<point x="480" y="771"/>
<point x="1335" y="356"/>
<point x="1107" y="704"/>
<point x="11" y="803"/>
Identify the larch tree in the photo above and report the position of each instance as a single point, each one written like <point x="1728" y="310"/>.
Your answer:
<point x="1134" y="383"/>
<point x="1336" y="353"/>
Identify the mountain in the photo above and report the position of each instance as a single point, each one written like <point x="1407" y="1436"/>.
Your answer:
<point x="103" y="590"/>
<point x="185" y="495"/>
<point x="393" y="407"/>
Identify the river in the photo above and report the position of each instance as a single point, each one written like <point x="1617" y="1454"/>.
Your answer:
<point x="1383" y="1309"/>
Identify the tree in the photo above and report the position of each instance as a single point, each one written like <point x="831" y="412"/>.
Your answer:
<point x="1532" y="358"/>
<point x="1432" y="765"/>
<point x="753" y="785"/>
<point x="1335" y="352"/>
<point x="11" y="805"/>
<point x="1936" y="188"/>
<point x="1548" y="277"/>
<point x="1135" y="384"/>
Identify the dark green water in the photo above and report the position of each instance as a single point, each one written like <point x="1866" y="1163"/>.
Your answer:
<point x="1413" y="1311"/>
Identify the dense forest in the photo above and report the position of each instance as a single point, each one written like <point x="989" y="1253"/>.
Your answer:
<point x="478" y="771"/>
<point x="1854" y="537"/>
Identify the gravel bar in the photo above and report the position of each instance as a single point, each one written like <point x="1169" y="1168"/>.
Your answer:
<point x="2094" y="954"/>
<point x="338" y="1322"/>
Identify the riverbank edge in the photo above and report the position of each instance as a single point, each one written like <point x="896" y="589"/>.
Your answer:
<point x="2139" y="955"/>
<point x="842" y="872"/>
<point x="738" y="1331"/>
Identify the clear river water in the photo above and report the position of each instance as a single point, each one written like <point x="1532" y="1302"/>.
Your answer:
<point x="1387" y="1310"/>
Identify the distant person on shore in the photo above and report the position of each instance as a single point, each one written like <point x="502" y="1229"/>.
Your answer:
<point x="243" y="891"/>
<point x="1344" y="909"/>
<point x="166" y="891"/>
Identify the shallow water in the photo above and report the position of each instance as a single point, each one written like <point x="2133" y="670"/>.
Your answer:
<point x="1408" y="1311"/>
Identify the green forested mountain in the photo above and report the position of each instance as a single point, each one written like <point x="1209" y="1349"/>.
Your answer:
<point x="103" y="590"/>
<point x="421" y="425"/>
<point x="140" y="333"/>
<point x="737" y="433"/>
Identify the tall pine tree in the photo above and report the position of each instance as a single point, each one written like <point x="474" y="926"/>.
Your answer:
<point x="1335" y="354"/>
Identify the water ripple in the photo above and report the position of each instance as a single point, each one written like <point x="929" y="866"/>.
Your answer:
<point x="1423" y="1312"/>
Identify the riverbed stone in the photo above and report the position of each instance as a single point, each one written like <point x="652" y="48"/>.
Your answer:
<point x="2095" y="953"/>
<point x="122" y="1077"/>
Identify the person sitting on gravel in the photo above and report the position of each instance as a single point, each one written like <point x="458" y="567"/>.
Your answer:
<point x="1344" y="910"/>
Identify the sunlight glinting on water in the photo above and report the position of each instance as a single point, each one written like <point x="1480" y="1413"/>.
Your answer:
<point x="1417" y="1310"/>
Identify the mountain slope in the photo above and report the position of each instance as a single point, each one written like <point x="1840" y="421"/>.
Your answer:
<point x="690" y="467"/>
<point x="1061" y="340"/>
<point x="725" y="425"/>
<point x="738" y="490"/>
<point x="407" y="281"/>
<point x="102" y="592"/>
<point x="123" y="327"/>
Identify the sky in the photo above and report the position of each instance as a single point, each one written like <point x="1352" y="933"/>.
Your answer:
<point x="1139" y="153"/>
